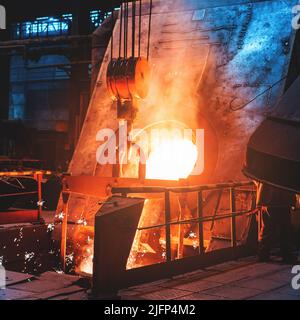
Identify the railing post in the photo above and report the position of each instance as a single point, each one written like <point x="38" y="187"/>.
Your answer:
<point x="259" y="223"/>
<point x="200" y="216"/>
<point x="64" y="231"/>
<point x="168" y="227"/>
<point x="233" y="218"/>
<point x="39" y="178"/>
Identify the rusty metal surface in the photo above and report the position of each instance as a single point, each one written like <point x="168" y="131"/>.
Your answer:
<point x="208" y="61"/>
<point x="228" y="53"/>
<point x="128" y="78"/>
<point x="115" y="228"/>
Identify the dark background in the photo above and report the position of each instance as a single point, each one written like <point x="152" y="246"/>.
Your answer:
<point x="53" y="100"/>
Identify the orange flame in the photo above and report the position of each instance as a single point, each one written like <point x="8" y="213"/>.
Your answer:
<point x="172" y="159"/>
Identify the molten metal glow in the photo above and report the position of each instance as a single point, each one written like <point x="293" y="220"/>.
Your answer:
<point x="86" y="265"/>
<point x="171" y="159"/>
<point x="84" y="250"/>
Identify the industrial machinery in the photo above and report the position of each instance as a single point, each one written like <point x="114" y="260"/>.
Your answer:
<point x="128" y="77"/>
<point x="213" y="66"/>
<point x="273" y="150"/>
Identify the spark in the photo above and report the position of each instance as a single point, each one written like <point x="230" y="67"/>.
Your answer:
<point x="69" y="259"/>
<point x="195" y="244"/>
<point x="29" y="256"/>
<point x="82" y="221"/>
<point x="40" y="203"/>
<point x="50" y="227"/>
<point x="59" y="271"/>
<point x="162" y="242"/>
<point x="60" y="216"/>
<point x="192" y="235"/>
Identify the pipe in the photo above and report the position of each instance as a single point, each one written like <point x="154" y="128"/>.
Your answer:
<point x="25" y="42"/>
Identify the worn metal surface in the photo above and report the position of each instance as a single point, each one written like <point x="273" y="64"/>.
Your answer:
<point x="47" y="286"/>
<point x="239" y="280"/>
<point x="273" y="153"/>
<point x="228" y="52"/>
<point x="115" y="228"/>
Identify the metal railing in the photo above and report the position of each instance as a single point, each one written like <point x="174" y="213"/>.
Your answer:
<point x="111" y="271"/>
<point x="200" y="220"/>
<point x="38" y="176"/>
<point x="110" y="268"/>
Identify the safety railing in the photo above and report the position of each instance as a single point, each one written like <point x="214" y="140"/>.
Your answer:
<point x="111" y="271"/>
<point x="200" y="220"/>
<point x="38" y="176"/>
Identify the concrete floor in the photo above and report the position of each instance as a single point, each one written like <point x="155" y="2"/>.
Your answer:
<point x="238" y="280"/>
<point x="48" y="286"/>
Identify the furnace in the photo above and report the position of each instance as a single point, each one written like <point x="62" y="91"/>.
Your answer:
<point x="203" y="68"/>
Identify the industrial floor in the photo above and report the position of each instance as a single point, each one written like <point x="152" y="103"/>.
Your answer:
<point x="237" y="280"/>
<point x="48" y="286"/>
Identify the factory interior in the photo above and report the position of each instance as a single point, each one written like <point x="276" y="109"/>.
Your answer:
<point x="137" y="141"/>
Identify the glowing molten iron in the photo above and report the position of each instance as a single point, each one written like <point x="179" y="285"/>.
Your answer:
<point x="171" y="159"/>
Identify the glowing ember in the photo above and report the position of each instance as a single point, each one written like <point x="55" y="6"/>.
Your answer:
<point x="86" y="265"/>
<point x="171" y="159"/>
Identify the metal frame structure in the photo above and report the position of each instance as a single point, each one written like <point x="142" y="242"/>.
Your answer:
<point x="25" y="215"/>
<point x="172" y="267"/>
<point x="43" y="27"/>
<point x="199" y="189"/>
